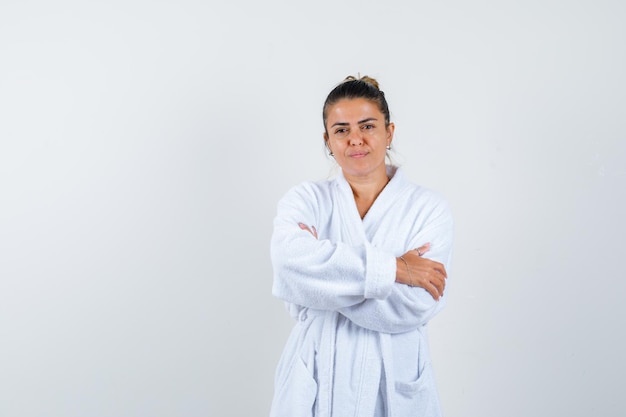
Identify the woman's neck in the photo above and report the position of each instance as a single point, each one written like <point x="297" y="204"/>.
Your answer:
<point x="366" y="190"/>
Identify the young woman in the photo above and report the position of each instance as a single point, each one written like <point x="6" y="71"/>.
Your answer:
<point x="360" y="261"/>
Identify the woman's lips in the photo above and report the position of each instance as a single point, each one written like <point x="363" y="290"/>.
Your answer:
<point x="358" y="154"/>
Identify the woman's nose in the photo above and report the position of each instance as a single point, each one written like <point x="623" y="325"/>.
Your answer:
<point x="356" y="138"/>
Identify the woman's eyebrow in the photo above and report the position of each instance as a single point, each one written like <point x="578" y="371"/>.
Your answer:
<point x="369" y="119"/>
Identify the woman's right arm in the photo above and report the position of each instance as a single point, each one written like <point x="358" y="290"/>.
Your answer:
<point x="318" y="273"/>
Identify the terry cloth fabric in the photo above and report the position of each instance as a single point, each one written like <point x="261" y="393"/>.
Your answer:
<point x="360" y="346"/>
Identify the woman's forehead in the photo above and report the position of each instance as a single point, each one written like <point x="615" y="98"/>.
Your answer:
<point x="357" y="109"/>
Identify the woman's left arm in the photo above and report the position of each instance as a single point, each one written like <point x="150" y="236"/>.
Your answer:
<point x="408" y="308"/>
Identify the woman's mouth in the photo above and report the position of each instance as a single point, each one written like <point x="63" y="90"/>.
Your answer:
<point x="358" y="154"/>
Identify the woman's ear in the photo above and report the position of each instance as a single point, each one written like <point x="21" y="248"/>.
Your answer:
<point x="390" y="129"/>
<point x="326" y="142"/>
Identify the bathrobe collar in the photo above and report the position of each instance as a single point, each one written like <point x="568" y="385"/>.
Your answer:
<point x="383" y="202"/>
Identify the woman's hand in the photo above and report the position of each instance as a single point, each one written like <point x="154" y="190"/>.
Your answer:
<point x="311" y="229"/>
<point x="416" y="271"/>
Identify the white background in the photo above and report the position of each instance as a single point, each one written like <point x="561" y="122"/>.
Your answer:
<point x="144" y="145"/>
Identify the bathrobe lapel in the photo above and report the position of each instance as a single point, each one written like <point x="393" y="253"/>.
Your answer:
<point x="372" y="229"/>
<point x="357" y="232"/>
<point x="352" y="231"/>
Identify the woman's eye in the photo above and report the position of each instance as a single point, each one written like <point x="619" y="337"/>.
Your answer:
<point x="340" y="131"/>
<point x="367" y="127"/>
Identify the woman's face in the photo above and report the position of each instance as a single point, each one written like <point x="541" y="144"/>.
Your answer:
<point x="357" y="136"/>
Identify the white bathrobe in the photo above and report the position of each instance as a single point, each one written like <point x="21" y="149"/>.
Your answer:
<point x="359" y="347"/>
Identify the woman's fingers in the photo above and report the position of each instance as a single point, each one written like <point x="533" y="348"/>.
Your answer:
<point x="305" y="227"/>
<point x="432" y="290"/>
<point x="425" y="264"/>
<point x="439" y="283"/>
<point x="423" y="249"/>
<point x="440" y="269"/>
<point x="434" y="283"/>
<point x="435" y="266"/>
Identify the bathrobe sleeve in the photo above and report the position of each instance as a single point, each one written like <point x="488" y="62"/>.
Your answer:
<point x="407" y="308"/>
<point x="318" y="273"/>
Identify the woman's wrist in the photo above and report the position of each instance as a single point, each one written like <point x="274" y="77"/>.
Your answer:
<point x="402" y="271"/>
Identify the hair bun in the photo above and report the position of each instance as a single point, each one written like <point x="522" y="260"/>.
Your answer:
<point x="366" y="79"/>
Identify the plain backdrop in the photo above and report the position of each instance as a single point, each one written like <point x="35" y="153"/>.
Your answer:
<point x="144" y="146"/>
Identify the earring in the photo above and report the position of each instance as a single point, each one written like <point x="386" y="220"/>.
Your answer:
<point x="331" y="153"/>
<point x="388" y="147"/>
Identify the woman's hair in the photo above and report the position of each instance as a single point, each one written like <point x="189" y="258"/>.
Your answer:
<point x="353" y="87"/>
